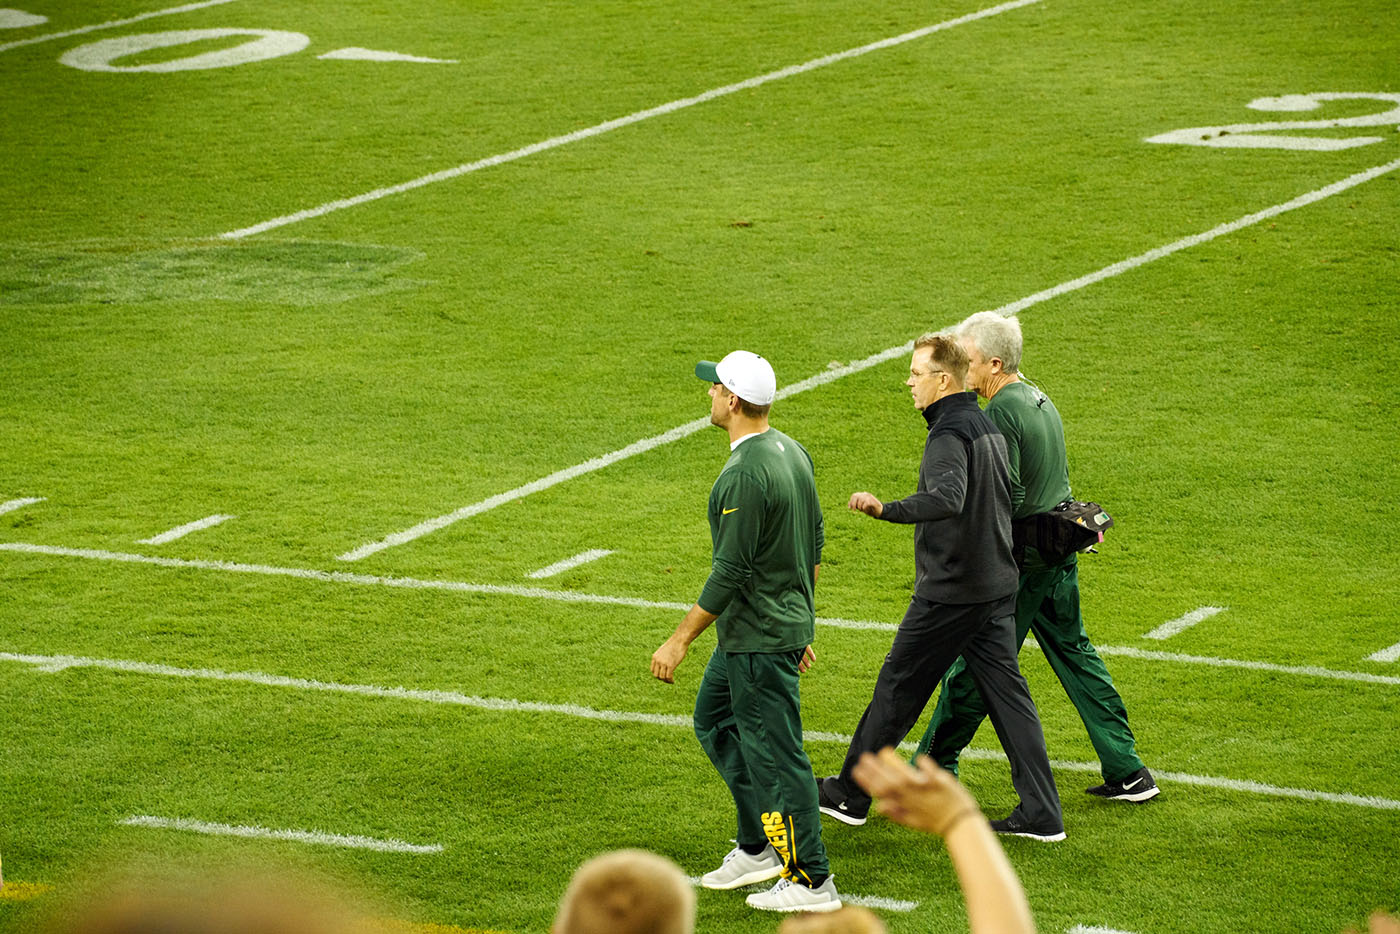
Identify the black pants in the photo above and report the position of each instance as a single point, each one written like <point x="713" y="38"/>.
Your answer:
<point x="929" y="639"/>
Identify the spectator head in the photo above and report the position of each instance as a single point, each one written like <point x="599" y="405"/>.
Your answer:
<point x="846" y="920"/>
<point x="627" y="892"/>
<point x="211" y="902"/>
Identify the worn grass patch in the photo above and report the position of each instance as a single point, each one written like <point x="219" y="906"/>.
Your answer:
<point x="294" y="272"/>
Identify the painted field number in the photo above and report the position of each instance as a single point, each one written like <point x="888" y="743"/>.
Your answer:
<point x="1271" y="135"/>
<point x="260" y="45"/>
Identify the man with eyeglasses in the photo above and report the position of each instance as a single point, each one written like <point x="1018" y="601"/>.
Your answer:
<point x="964" y="597"/>
<point x="1047" y="600"/>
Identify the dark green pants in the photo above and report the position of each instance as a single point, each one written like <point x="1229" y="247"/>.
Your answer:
<point x="1047" y="602"/>
<point x="748" y="718"/>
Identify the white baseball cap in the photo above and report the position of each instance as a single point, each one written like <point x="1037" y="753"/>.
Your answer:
<point x="747" y="375"/>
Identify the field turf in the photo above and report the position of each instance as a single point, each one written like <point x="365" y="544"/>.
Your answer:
<point x="338" y="378"/>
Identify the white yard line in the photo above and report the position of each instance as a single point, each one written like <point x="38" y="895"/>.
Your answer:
<point x="619" y="122"/>
<point x="1173" y="626"/>
<point x="113" y="24"/>
<point x="568" y="564"/>
<point x="570" y="596"/>
<point x="59" y="663"/>
<point x="1385" y="655"/>
<point x="265" y="833"/>
<point x="1087" y="929"/>
<point x="827" y="376"/>
<point x="180" y="531"/>
<point x="1206" y="781"/>
<point x="12" y="505"/>
<point x="1312" y="671"/>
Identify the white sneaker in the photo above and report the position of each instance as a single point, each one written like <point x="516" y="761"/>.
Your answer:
<point x="791" y="896"/>
<point x="740" y="869"/>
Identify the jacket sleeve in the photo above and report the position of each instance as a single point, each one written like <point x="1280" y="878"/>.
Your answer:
<point x="736" y="518"/>
<point x="945" y="466"/>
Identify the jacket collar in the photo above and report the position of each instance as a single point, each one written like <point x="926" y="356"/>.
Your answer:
<point x="958" y="400"/>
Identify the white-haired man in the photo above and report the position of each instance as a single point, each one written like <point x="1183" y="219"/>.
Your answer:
<point x="1047" y="595"/>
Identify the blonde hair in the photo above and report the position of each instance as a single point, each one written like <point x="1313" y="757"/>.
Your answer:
<point x="947" y="354"/>
<point x="846" y="920"/>
<point x="627" y="892"/>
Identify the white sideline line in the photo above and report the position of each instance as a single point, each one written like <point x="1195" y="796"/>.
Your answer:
<point x="264" y="833"/>
<point x="865" y="901"/>
<point x="186" y="8"/>
<point x="1385" y="655"/>
<point x="59" y="663"/>
<point x="12" y="505"/>
<point x="619" y="122"/>
<point x="569" y="596"/>
<point x="1308" y="670"/>
<point x="559" y="567"/>
<point x="827" y="376"/>
<point x="181" y="531"/>
<point x="1207" y="781"/>
<point x="1173" y="626"/>
<point x="872" y="901"/>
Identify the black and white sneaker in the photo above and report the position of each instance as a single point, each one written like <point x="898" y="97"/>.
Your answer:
<point x="840" y="810"/>
<point x="1017" y="826"/>
<point x="1136" y="788"/>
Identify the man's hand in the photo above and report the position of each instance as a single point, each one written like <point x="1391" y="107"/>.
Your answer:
<point x="866" y="503"/>
<point x="665" y="660"/>
<point x="927" y="798"/>
<point x="808" y="657"/>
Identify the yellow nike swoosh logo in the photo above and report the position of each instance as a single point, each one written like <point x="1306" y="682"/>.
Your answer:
<point x="725" y="512"/>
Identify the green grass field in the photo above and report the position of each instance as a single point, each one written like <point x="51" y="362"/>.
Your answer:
<point x="342" y="377"/>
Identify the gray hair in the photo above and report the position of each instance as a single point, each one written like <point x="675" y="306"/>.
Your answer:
<point x="994" y="336"/>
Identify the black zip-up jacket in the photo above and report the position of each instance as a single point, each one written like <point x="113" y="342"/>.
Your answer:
<point x="962" y="510"/>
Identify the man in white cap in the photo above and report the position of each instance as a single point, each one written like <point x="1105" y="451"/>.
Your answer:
<point x="766" y="529"/>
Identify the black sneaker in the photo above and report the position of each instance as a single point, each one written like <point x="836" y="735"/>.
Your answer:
<point x="1016" y="825"/>
<point x="838" y="809"/>
<point x="1136" y="788"/>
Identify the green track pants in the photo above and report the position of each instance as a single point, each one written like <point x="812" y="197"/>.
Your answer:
<point x="1047" y="602"/>
<point x="748" y="719"/>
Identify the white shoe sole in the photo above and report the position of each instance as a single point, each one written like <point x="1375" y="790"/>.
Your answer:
<point x="843" y="817"/>
<point x="822" y="907"/>
<point x="1133" y="797"/>
<point x="758" y="875"/>
<point x="1039" y="837"/>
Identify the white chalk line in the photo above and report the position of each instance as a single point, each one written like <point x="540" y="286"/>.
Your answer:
<point x="12" y="505"/>
<point x="186" y="8"/>
<point x="569" y="596"/>
<point x="865" y="901"/>
<point x="617" y="123"/>
<point x="827" y="376"/>
<point x="1090" y="929"/>
<point x="1312" y="671"/>
<point x="1173" y="626"/>
<point x="314" y="837"/>
<point x="59" y="663"/>
<point x="180" y="531"/>
<point x="568" y="564"/>
<point x="1385" y="655"/>
<point x="1206" y="781"/>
